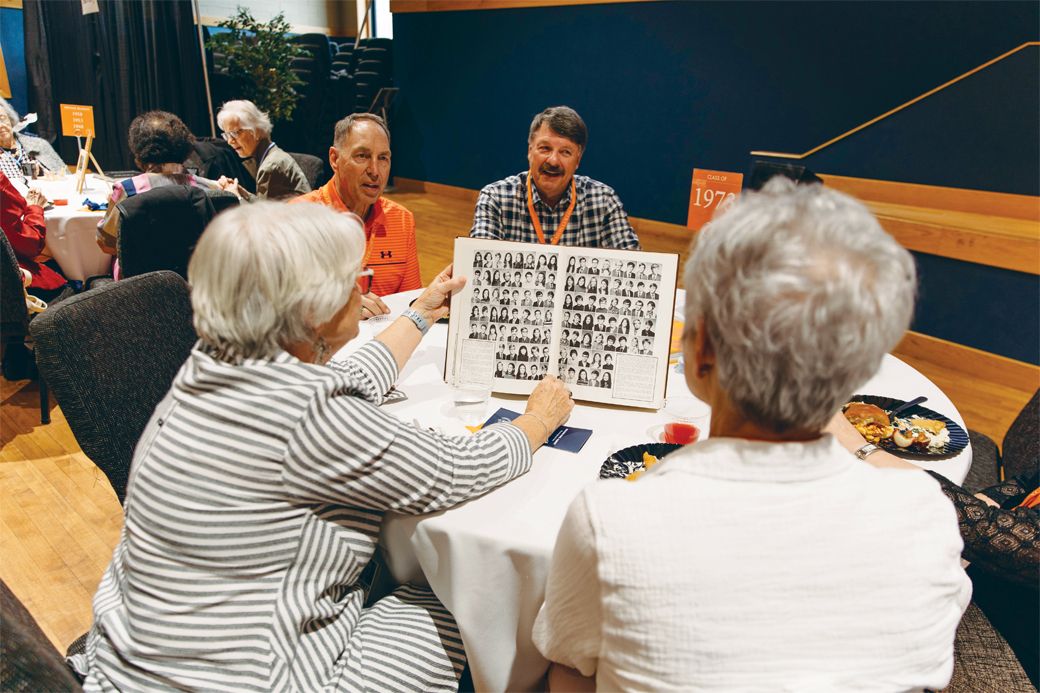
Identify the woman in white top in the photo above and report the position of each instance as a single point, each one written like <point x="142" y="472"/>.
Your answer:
<point x="767" y="557"/>
<point x="257" y="490"/>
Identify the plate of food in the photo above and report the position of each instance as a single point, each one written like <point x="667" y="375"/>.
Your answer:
<point x="633" y="461"/>
<point x="916" y="432"/>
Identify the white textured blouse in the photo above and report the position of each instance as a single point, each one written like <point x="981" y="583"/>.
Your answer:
<point x="741" y="565"/>
<point x="254" y="503"/>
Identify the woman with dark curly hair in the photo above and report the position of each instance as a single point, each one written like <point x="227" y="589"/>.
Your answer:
<point x="159" y="142"/>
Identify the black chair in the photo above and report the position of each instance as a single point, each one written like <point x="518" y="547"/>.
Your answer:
<point x="15" y="318"/>
<point x="312" y="166"/>
<point x="160" y="227"/>
<point x="317" y="46"/>
<point x="109" y="356"/>
<point x="28" y="660"/>
<point x="376" y="42"/>
<point x="1021" y="449"/>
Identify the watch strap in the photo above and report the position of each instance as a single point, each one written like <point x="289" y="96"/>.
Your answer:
<point x="420" y="322"/>
<point x="866" y="450"/>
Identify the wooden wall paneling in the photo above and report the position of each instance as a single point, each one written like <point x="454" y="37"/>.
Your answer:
<point x="937" y="197"/>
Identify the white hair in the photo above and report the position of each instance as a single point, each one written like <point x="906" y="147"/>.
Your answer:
<point x="802" y="293"/>
<point x="248" y="116"/>
<point x="266" y="275"/>
<point x="12" y="114"/>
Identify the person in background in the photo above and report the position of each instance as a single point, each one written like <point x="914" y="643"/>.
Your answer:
<point x="767" y="555"/>
<point x="25" y="229"/>
<point x="360" y="159"/>
<point x="248" y="130"/>
<point x="23" y="224"/>
<point x="258" y="487"/>
<point x="17" y="148"/>
<point x="159" y="142"/>
<point x="548" y="203"/>
<point x="1000" y="526"/>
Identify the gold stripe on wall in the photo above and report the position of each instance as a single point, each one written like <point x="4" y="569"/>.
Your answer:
<point x="400" y="6"/>
<point x="911" y="102"/>
<point x="982" y="365"/>
<point x="10" y="4"/>
<point x="978" y="226"/>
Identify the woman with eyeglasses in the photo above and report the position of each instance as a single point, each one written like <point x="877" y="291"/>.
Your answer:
<point x="159" y="142"/>
<point x="248" y="130"/>
<point x="258" y="487"/>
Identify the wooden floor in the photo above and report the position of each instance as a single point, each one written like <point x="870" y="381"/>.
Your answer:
<point x="59" y="519"/>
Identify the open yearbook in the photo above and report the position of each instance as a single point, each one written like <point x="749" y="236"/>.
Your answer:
<point x="600" y="319"/>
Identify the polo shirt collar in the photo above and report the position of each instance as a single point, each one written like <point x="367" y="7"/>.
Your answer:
<point x="375" y="219"/>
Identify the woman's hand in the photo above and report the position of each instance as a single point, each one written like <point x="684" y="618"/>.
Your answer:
<point x="231" y="185"/>
<point x="550" y="402"/>
<point x="434" y="303"/>
<point x="851" y="440"/>
<point x="35" y="197"/>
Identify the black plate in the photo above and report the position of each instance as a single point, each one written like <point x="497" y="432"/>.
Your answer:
<point x="624" y="462"/>
<point x="958" y="437"/>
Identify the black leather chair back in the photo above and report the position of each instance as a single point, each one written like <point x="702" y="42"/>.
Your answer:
<point x="160" y="227"/>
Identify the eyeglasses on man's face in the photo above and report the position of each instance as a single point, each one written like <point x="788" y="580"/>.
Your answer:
<point x="233" y="134"/>
<point x="364" y="281"/>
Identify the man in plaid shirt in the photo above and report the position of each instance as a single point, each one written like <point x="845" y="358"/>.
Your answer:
<point x="548" y="203"/>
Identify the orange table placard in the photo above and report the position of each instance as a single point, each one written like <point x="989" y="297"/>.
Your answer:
<point x="709" y="190"/>
<point x="77" y="121"/>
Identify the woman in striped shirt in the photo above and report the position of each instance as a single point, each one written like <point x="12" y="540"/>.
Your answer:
<point x="257" y="489"/>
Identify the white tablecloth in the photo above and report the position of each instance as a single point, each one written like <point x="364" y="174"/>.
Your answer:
<point x="487" y="560"/>
<point x="71" y="228"/>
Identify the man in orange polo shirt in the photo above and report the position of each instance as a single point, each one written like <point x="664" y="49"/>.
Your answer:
<point x="360" y="157"/>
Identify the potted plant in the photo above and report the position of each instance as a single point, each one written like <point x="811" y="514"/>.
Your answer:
<point x="253" y="58"/>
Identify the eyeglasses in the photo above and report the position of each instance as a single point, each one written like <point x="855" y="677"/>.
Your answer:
<point x="233" y="135"/>
<point x="364" y="281"/>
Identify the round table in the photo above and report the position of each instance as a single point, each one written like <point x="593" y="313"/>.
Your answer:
<point x="72" y="228"/>
<point x="487" y="560"/>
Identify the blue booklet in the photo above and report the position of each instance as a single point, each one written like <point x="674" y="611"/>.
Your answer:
<point x="564" y="437"/>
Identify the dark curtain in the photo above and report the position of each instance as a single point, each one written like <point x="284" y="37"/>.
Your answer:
<point x="132" y="56"/>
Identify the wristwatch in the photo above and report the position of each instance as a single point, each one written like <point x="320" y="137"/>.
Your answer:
<point x="420" y="322"/>
<point x="866" y="450"/>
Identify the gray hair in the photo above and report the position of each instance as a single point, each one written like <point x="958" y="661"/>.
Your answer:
<point x="345" y="126"/>
<point x="564" y="121"/>
<point x="9" y="110"/>
<point x="248" y="116"/>
<point x="266" y="275"/>
<point x="802" y="293"/>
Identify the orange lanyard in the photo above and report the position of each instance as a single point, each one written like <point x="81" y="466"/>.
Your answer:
<point x="538" y="224"/>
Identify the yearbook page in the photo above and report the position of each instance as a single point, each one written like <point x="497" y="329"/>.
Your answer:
<point x="600" y="319"/>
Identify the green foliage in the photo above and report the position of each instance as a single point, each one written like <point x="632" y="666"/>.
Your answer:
<point x="257" y="59"/>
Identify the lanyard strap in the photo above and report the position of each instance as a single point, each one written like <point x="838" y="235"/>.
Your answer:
<point x="534" y="216"/>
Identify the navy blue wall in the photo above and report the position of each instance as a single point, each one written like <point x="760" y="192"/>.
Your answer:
<point x="12" y="38"/>
<point x="668" y="86"/>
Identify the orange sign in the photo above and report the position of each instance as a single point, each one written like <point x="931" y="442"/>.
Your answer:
<point x="77" y="121"/>
<point x="710" y="190"/>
